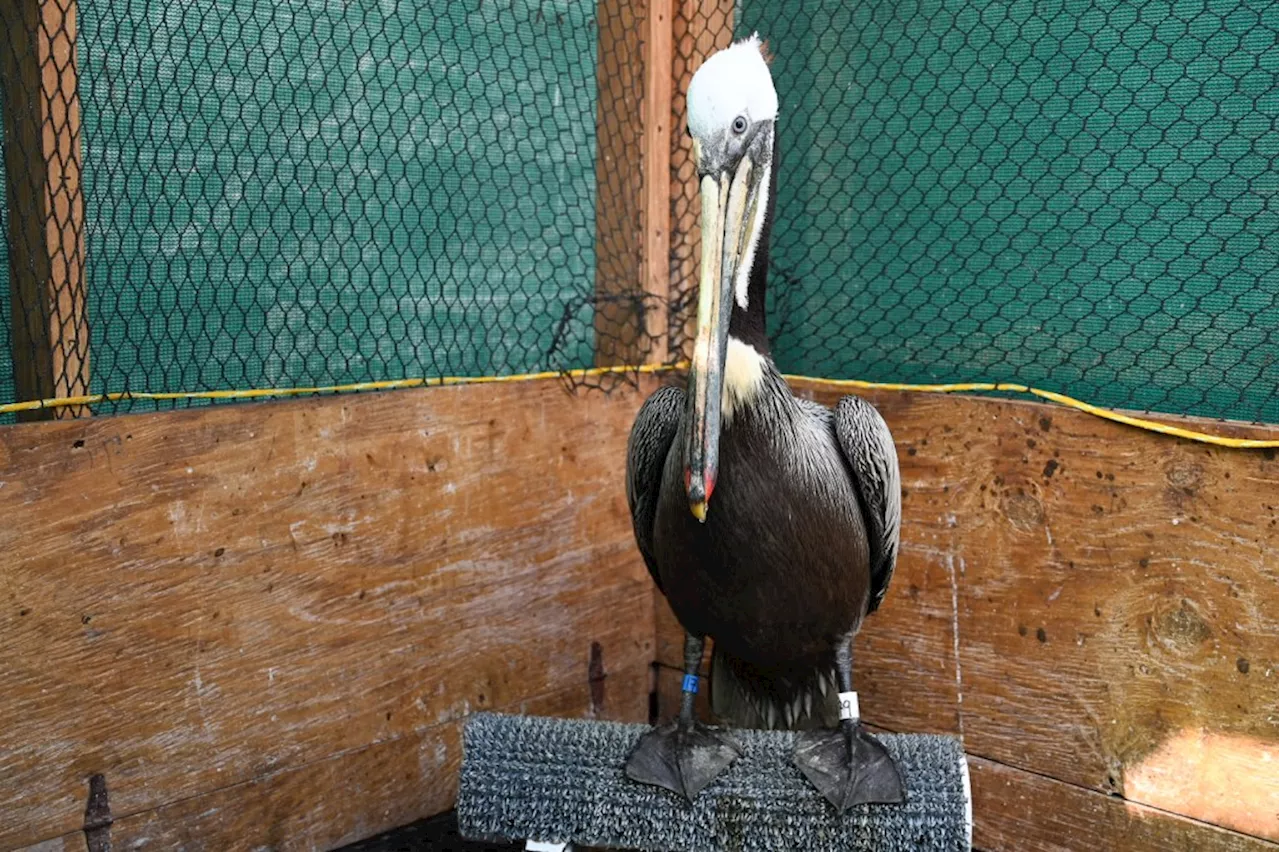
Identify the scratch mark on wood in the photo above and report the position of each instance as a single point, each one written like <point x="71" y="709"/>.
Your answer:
<point x="955" y="638"/>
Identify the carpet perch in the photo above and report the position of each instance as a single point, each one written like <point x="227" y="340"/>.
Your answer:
<point x="533" y="778"/>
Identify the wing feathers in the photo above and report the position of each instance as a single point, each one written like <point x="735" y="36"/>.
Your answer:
<point x="651" y="437"/>
<point x="868" y="447"/>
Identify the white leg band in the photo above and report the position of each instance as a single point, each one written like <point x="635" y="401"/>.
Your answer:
<point x="849" y="705"/>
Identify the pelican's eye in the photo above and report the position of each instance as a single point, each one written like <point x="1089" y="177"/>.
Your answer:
<point x="740" y="125"/>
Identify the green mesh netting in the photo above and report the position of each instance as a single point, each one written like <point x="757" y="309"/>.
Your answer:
<point x="294" y="194"/>
<point x="1078" y="195"/>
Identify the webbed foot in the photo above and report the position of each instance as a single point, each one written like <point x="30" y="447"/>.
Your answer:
<point x="683" y="757"/>
<point x="849" y="766"/>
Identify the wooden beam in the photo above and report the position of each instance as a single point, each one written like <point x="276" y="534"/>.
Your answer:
<point x="50" y="331"/>
<point x="1082" y="600"/>
<point x="196" y="599"/>
<point x="620" y="308"/>
<point x="657" y="180"/>
<point x="632" y="205"/>
<point x="700" y="28"/>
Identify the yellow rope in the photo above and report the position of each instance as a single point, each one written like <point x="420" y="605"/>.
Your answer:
<point x="1061" y="399"/>
<point x="391" y="384"/>
<point x="397" y="384"/>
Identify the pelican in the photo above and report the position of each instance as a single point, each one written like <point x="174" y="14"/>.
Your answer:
<point x="769" y="522"/>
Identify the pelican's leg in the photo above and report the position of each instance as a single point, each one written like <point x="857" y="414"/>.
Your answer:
<point x="684" y="755"/>
<point x="848" y="765"/>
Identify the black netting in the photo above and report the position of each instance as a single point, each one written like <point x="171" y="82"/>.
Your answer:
<point x="1079" y="196"/>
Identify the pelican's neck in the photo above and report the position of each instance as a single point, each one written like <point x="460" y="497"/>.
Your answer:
<point x="747" y="324"/>
<point x="747" y="362"/>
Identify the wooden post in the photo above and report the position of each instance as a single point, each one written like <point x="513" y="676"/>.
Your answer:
<point x="50" y="338"/>
<point x="700" y="27"/>
<point x="632" y="182"/>
<point x="657" y="177"/>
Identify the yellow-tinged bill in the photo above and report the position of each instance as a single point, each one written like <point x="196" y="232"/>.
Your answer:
<point x="726" y="225"/>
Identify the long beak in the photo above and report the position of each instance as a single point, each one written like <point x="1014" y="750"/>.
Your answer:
<point x="728" y="211"/>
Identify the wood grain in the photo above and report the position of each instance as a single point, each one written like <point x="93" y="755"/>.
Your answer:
<point x="183" y="610"/>
<point x="194" y="600"/>
<point x="352" y="795"/>
<point x="50" y="331"/>
<point x="1019" y="811"/>
<point x="632" y="203"/>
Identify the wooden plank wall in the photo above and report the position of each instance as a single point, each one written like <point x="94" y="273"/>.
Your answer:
<point x="1094" y="609"/>
<point x="261" y="623"/>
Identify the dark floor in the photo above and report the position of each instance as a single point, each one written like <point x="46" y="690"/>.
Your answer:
<point x="430" y="834"/>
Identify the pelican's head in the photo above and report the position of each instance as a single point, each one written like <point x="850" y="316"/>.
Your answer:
<point x="732" y="107"/>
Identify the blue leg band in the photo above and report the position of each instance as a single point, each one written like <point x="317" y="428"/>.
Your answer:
<point x="690" y="683"/>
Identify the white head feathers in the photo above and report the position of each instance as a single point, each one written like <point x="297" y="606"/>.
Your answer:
<point x="736" y="81"/>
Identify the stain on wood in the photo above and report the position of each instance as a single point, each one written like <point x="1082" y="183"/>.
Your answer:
<point x="352" y="795"/>
<point x="596" y="675"/>
<point x="195" y="600"/>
